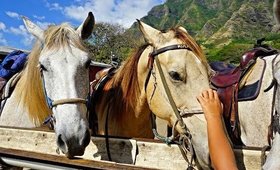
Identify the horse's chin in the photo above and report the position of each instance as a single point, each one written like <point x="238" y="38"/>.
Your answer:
<point x="72" y="155"/>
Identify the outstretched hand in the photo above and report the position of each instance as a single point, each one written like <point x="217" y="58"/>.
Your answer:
<point x="221" y="153"/>
<point x="210" y="103"/>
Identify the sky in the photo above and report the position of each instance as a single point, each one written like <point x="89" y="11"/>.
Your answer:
<point x="45" y="12"/>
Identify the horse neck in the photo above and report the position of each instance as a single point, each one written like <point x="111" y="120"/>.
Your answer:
<point x="123" y="120"/>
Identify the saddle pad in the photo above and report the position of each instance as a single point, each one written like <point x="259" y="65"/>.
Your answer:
<point x="250" y="84"/>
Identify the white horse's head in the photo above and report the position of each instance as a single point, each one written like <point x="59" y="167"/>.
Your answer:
<point x="59" y="62"/>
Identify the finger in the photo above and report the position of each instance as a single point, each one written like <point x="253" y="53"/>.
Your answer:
<point x="215" y="94"/>
<point x="200" y="99"/>
<point x="222" y="111"/>
<point x="205" y="94"/>
<point x="210" y="93"/>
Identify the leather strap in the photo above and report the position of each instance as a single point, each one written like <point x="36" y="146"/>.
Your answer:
<point x="168" y="48"/>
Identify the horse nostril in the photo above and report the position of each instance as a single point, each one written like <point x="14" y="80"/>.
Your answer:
<point x="86" y="139"/>
<point x="61" y="144"/>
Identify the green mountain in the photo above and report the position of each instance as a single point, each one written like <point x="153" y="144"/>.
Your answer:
<point x="225" y="28"/>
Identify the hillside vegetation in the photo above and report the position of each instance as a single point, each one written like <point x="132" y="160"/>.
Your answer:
<point x="225" y="29"/>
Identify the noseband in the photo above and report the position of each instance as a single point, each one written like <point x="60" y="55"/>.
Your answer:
<point x="185" y="139"/>
<point x="53" y="103"/>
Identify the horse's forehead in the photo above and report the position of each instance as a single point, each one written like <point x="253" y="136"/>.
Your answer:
<point x="65" y="54"/>
<point x="170" y="41"/>
<point x="181" y="57"/>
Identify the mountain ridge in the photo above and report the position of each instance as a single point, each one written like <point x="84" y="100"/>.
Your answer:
<point x="217" y="24"/>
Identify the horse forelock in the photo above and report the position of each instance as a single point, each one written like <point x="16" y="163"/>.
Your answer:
<point x="192" y="44"/>
<point x="59" y="36"/>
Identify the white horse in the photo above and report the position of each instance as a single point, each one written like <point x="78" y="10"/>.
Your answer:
<point x="54" y="82"/>
<point x="187" y="74"/>
<point x="273" y="158"/>
<point x="272" y="161"/>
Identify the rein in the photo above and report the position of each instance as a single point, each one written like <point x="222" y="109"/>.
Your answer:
<point x="185" y="139"/>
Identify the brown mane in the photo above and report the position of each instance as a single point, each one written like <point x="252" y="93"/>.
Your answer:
<point x="29" y="89"/>
<point x="124" y="84"/>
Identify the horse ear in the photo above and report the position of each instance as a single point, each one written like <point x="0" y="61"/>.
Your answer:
<point x="86" y="28"/>
<point x="150" y="34"/>
<point x="33" y="28"/>
<point x="183" y="29"/>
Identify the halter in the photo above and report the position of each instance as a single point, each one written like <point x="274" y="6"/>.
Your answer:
<point x="185" y="139"/>
<point x="53" y="103"/>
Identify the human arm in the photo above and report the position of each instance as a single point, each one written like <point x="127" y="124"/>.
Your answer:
<point x="220" y="150"/>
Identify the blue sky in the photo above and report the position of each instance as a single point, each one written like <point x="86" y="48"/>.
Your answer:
<point x="45" y="12"/>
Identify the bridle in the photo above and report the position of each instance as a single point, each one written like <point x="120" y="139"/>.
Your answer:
<point x="53" y="103"/>
<point x="185" y="138"/>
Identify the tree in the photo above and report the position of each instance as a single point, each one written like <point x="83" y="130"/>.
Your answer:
<point x="109" y="40"/>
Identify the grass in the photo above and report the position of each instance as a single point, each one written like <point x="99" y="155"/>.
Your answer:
<point x="230" y="53"/>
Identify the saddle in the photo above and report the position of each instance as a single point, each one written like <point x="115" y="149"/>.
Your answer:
<point x="99" y="76"/>
<point x="96" y="87"/>
<point x="230" y="81"/>
<point x="6" y="89"/>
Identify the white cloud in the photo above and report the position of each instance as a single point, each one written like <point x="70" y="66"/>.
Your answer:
<point x="39" y="17"/>
<point x="123" y="12"/>
<point x="28" y="39"/>
<point x="13" y="14"/>
<point x="3" y="41"/>
<point x="18" y="31"/>
<point x="2" y="26"/>
<point x="25" y="37"/>
<point x="128" y="11"/>
<point x="53" y="6"/>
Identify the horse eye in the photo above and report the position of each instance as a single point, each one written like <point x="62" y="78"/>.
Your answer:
<point x="88" y="64"/>
<point x="175" y="76"/>
<point x="43" y="68"/>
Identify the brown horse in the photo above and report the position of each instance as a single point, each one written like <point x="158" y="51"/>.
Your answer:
<point x="119" y="101"/>
<point x="135" y="90"/>
<point x="123" y="98"/>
